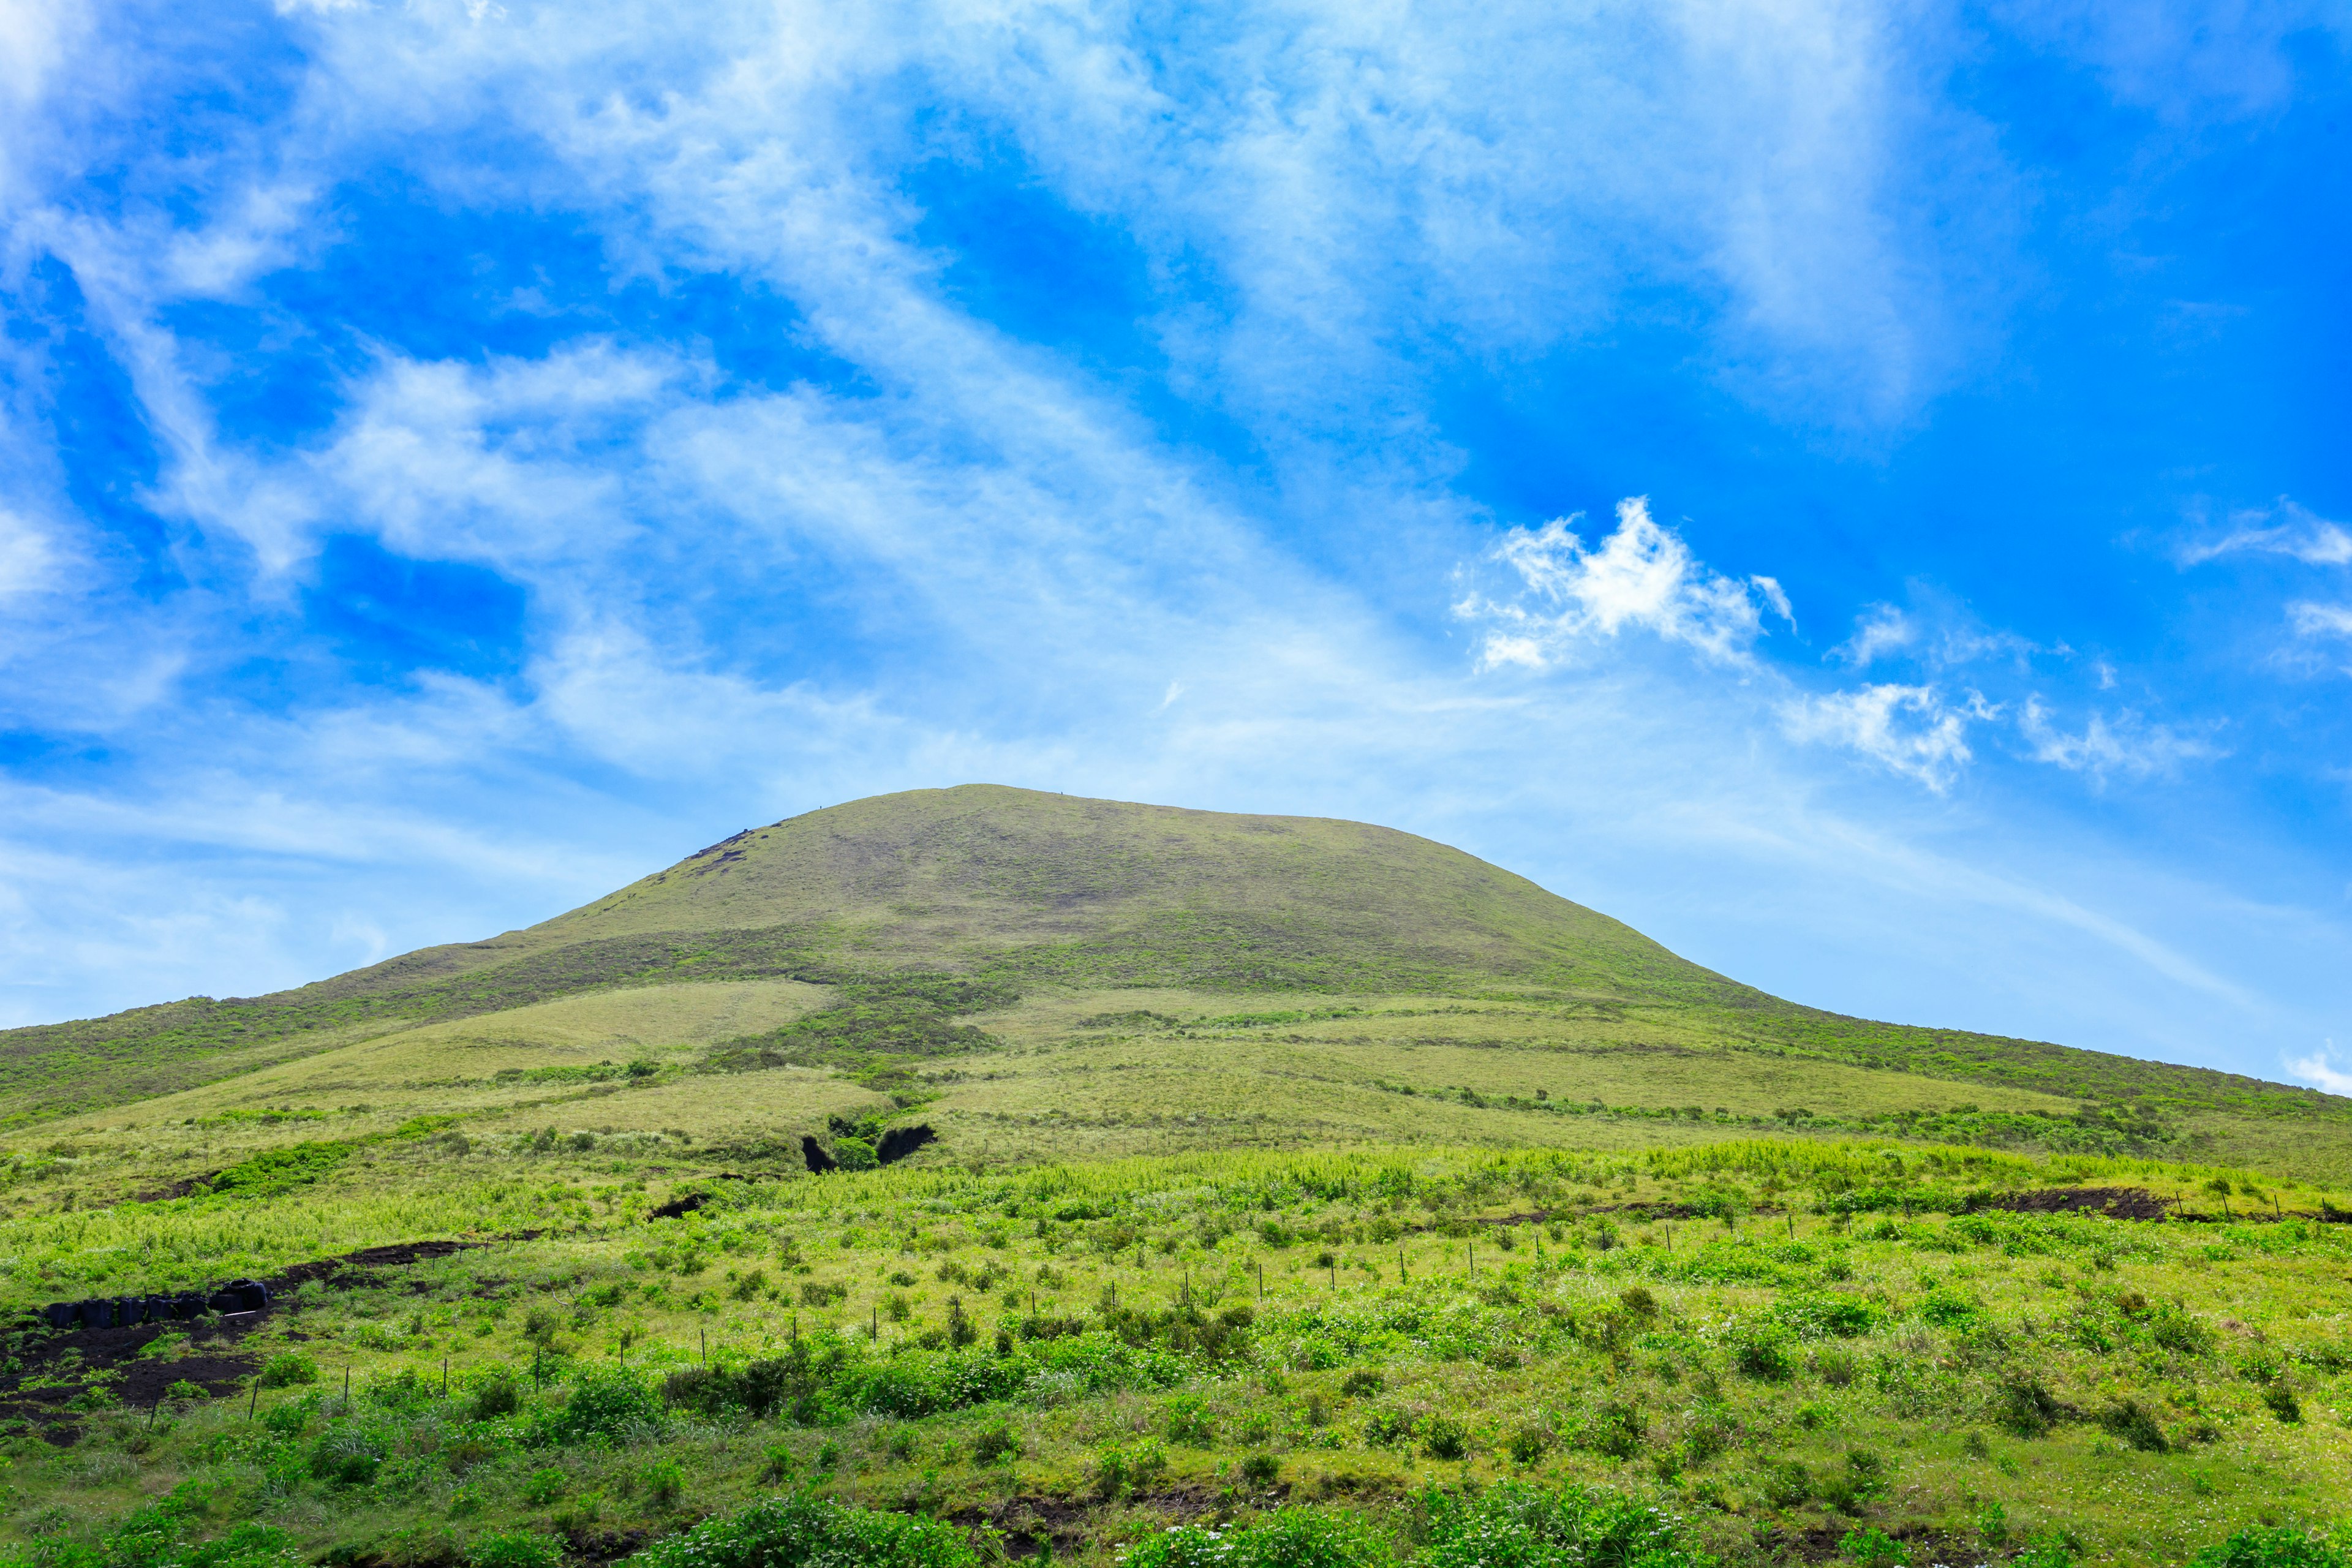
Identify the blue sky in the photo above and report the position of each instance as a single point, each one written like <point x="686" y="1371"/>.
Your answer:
<point x="1859" y="493"/>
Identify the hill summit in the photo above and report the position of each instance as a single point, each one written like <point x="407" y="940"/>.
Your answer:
<point x="894" y="943"/>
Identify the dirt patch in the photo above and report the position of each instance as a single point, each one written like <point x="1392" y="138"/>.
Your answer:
<point x="605" y="1545"/>
<point x="2115" y="1202"/>
<point x="1820" y="1544"/>
<point x="178" y="1189"/>
<point x="1034" y="1525"/>
<point x="61" y="1367"/>
<point x="368" y="1259"/>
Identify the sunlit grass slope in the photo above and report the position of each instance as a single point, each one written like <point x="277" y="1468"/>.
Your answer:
<point x="1048" y="976"/>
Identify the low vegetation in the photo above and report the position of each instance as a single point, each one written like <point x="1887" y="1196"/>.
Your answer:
<point x="1197" y="1192"/>
<point x="1745" y="1353"/>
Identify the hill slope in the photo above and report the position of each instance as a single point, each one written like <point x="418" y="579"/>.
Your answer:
<point x="908" y="930"/>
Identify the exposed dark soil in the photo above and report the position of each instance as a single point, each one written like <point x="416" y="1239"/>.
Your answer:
<point x="601" y="1546"/>
<point x="1820" y="1544"/>
<point x="1058" y="1526"/>
<point x="364" y="1262"/>
<point x="80" y="1358"/>
<point x="84" y="1356"/>
<point x="2115" y="1202"/>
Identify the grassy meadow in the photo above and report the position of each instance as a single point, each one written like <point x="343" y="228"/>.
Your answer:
<point x="1297" y="1195"/>
<point x="1785" y="1345"/>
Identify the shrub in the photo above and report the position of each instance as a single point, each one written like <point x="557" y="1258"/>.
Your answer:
<point x="1119" y="1469"/>
<point x="1510" y="1524"/>
<point x="515" y="1549"/>
<point x="1873" y="1548"/>
<point x="793" y="1531"/>
<point x="2283" y="1403"/>
<point x="1826" y="1317"/>
<point x="2024" y="1408"/>
<point x="498" y="1393"/>
<point x="1188" y="1422"/>
<point x="1529" y="1443"/>
<point x="609" y="1404"/>
<point x="2275" y="1548"/>
<point x="665" y="1479"/>
<point x="995" y="1443"/>
<point x="1291" y="1538"/>
<point x="543" y="1487"/>
<point x="1788" y="1485"/>
<point x="1863" y="1479"/>
<point x="2134" y="1424"/>
<point x="1442" y="1437"/>
<point x="1762" y="1351"/>
<point x="1360" y="1382"/>
<point x="1615" y="1429"/>
<point x="2048" y="1549"/>
<point x="1947" y="1310"/>
<point x="346" y="1456"/>
<point x="286" y="1369"/>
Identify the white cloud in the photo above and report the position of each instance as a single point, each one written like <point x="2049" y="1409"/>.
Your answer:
<point x="1908" y="729"/>
<point x="2316" y="620"/>
<point x="2320" y="1070"/>
<point x="1882" y="630"/>
<point x="1642" y="577"/>
<point x="28" y="557"/>
<point x="2285" y="528"/>
<point x="2123" y="744"/>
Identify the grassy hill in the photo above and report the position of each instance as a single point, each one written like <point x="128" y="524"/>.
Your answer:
<point x="998" y="955"/>
<point x="1300" y="1181"/>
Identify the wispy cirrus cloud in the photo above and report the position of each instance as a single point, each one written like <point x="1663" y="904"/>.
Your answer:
<point x="2123" y="743"/>
<point x="2284" y="528"/>
<point x="2311" y="619"/>
<point x="1642" y="577"/>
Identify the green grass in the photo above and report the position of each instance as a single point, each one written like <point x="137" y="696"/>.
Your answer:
<point x="1297" y="1177"/>
<point x="926" y="917"/>
<point x="1854" y="1344"/>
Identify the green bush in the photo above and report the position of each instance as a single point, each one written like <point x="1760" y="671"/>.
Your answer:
<point x="1443" y="1437"/>
<point x="1119" y="1469"/>
<point x="515" y="1549"/>
<point x="543" y="1487"/>
<point x="995" y="1443"/>
<point x="1616" y="1429"/>
<point x="1292" y="1538"/>
<point x="1788" y="1485"/>
<point x="606" y="1404"/>
<point x="498" y="1393"/>
<point x="665" y="1479"/>
<point x="2135" y="1424"/>
<point x="1873" y="1548"/>
<point x="796" y="1530"/>
<point x="1764" y="1351"/>
<point x="1188" y="1422"/>
<point x="2275" y="1548"/>
<point x="1863" y="1480"/>
<point x="1261" y="1469"/>
<point x="1510" y="1525"/>
<point x="288" y="1368"/>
